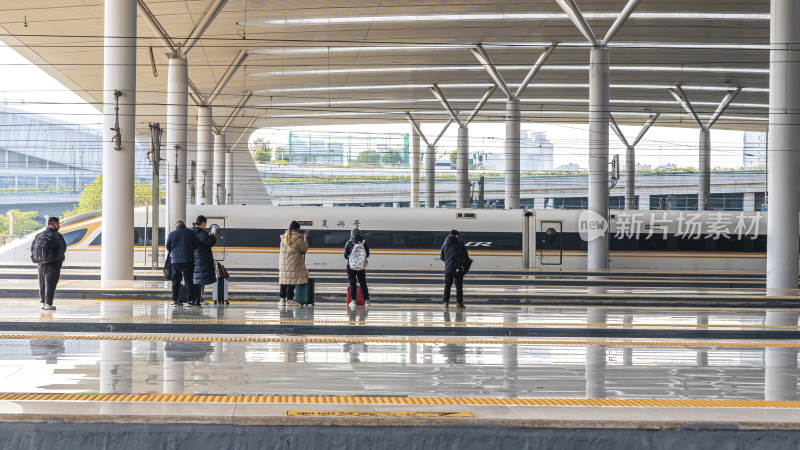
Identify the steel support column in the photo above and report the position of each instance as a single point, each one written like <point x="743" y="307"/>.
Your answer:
<point x="177" y="112"/>
<point x="430" y="177"/>
<point x="119" y="74"/>
<point x="783" y="154"/>
<point x="704" y="168"/>
<point x="630" y="177"/>
<point x="462" y="168"/>
<point x="414" y="160"/>
<point x="205" y="156"/>
<point x="512" y="151"/>
<point x="219" y="169"/>
<point x="599" y="99"/>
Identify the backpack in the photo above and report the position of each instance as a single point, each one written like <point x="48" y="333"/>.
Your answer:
<point x="43" y="249"/>
<point x="358" y="257"/>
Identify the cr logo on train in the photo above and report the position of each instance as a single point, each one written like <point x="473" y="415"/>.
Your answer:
<point x="478" y="244"/>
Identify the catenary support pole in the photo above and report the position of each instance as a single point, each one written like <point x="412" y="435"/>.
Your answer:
<point x="219" y="169"/>
<point x="599" y="99"/>
<point x="512" y="175"/>
<point x="783" y="153"/>
<point x="630" y="177"/>
<point x="414" y="160"/>
<point x="177" y="112"/>
<point x="462" y="168"/>
<point x="119" y="75"/>
<point x="205" y="156"/>
<point x="229" y="177"/>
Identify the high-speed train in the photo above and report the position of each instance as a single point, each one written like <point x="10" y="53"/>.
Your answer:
<point x="411" y="238"/>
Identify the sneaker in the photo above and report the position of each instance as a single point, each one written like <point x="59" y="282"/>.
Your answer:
<point x="459" y="305"/>
<point x="174" y="304"/>
<point x="446" y="304"/>
<point x="282" y="302"/>
<point x="352" y="305"/>
<point x="366" y="303"/>
<point x="310" y="305"/>
<point x="49" y="307"/>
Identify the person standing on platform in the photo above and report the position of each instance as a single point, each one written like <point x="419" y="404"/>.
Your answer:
<point x="454" y="255"/>
<point x="181" y="244"/>
<point x="356" y="253"/>
<point x="47" y="250"/>
<point x="204" y="270"/>
<point x="292" y="263"/>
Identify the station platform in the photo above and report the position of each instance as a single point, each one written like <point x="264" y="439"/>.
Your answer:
<point x="398" y="375"/>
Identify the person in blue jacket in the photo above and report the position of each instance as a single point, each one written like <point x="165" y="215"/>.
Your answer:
<point x="204" y="270"/>
<point x="181" y="244"/>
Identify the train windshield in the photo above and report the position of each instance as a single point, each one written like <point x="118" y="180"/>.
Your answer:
<point x="74" y="236"/>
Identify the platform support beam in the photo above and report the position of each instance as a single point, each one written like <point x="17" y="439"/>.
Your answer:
<point x="783" y="154"/>
<point x="219" y="169"/>
<point x="119" y="87"/>
<point x="414" y="160"/>
<point x="177" y="111"/>
<point x="430" y="159"/>
<point x="630" y="158"/>
<point x="205" y="156"/>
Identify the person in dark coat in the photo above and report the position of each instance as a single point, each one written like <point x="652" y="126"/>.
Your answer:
<point x="49" y="273"/>
<point x="181" y="244"/>
<point x="204" y="269"/>
<point x="356" y="275"/>
<point x="453" y="254"/>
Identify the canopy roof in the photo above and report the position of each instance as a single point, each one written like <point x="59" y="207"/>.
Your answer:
<point x="368" y="61"/>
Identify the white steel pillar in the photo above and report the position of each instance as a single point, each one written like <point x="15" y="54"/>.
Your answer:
<point x="630" y="177"/>
<point x="462" y="168"/>
<point x="512" y="151"/>
<point x="599" y="95"/>
<point x="704" y="168"/>
<point x="219" y="169"/>
<point x="229" y="177"/>
<point x="414" y="160"/>
<point x="119" y="75"/>
<point x="177" y="116"/>
<point x="205" y="156"/>
<point x="430" y="177"/>
<point x="783" y="154"/>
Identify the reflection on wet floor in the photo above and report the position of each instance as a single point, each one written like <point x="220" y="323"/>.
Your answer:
<point x="406" y="315"/>
<point x="437" y="367"/>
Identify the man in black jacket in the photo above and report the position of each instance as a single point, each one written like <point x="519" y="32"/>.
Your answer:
<point x="49" y="273"/>
<point x="454" y="254"/>
<point x="181" y="244"/>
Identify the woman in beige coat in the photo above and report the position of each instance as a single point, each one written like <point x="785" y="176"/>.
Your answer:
<point x="292" y="263"/>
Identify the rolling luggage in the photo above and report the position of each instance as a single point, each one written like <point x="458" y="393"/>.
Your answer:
<point x="304" y="293"/>
<point x="359" y="296"/>
<point x="219" y="291"/>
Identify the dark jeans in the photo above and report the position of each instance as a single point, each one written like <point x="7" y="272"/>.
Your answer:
<point x="185" y="271"/>
<point x="361" y="276"/>
<point x="458" y="277"/>
<point x="287" y="291"/>
<point x="48" y="279"/>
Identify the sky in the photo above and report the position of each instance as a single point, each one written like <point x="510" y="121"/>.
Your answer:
<point x="26" y="86"/>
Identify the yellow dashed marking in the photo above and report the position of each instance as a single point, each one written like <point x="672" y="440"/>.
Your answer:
<point x="381" y="340"/>
<point x="401" y="400"/>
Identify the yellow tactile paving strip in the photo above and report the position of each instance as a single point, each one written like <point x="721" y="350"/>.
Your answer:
<point x="383" y="340"/>
<point x="279" y="321"/>
<point x="400" y="400"/>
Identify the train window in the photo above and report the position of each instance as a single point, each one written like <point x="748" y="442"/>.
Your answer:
<point x="98" y="240"/>
<point x="336" y="238"/>
<point x="419" y="239"/>
<point x="138" y="237"/>
<point x="551" y="235"/>
<point x="656" y="242"/>
<point x="691" y="244"/>
<point x="728" y="245"/>
<point x="75" y="236"/>
<point x="378" y="239"/>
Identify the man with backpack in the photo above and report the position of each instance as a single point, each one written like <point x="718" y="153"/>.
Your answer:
<point x="356" y="253"/>
<point x="47" y="250"/>
<point x="456" y="264"/>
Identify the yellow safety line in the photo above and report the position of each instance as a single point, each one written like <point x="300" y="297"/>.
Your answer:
<point x="399" y="400"/>
<point x="399" y="340"/>
<point x="278" y="321"/>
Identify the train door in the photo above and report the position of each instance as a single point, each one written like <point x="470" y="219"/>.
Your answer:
<point x="221" y="249"/>
<point x="550" y="243"/>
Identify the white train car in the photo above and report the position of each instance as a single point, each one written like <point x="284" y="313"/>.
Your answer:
<point x="411" y="238"/>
